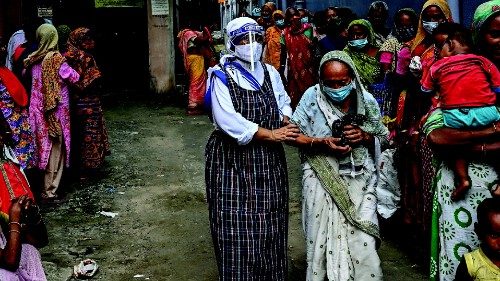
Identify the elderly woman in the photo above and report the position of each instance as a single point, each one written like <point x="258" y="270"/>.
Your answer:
<point x="363" y="50"/>
<point x="341" y="130"/>
<point x="246" y="174"/>
<point x="453" y="222"/>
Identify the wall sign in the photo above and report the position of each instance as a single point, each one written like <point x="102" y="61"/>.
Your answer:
<point x="159" y="7"/>
<point x="45" y="12"/>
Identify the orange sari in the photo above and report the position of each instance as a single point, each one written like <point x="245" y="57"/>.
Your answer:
<point x="273" y="46"/>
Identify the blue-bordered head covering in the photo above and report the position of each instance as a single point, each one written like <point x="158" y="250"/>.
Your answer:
<point x="239" y="27"/>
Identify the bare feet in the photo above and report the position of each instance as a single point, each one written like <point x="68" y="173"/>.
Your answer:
<point x="461" y="189"/>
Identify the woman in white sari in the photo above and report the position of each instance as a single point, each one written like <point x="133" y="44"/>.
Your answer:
<point x="339" y="180"/>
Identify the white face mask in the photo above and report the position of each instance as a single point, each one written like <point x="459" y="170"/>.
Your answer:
<point x="249" y="51"/>
<point x="429" y="26"/>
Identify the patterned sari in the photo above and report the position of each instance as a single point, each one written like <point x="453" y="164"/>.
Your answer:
<point x="90" y="137"/>
<point x="13" y="101"/>
<point x="301" y="74"/>
<point x="452" y="226"/>
<point x="453" y="222"/>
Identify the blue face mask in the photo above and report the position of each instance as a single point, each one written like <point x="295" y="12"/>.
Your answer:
<point x="358" y="43"/>
<point x="338" y="95"/>
<point x="429" y="26"/>
<point x="280" y="23"/>
<point x="304" y="20"/>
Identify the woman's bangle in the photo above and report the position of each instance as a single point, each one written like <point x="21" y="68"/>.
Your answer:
<point x="16" y="231"/>
<point x="494" y="128"/>
<point x="483" y="150"/>
<point x="15" y="222"/>
<point x="312" y="141"/>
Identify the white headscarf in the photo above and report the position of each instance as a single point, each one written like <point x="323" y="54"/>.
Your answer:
<point x="238" y="28"/>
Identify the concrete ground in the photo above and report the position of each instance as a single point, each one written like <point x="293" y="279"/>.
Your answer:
<point x="154" y="180"/>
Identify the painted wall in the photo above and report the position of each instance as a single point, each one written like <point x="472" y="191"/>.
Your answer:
<point x="161" y="50"/>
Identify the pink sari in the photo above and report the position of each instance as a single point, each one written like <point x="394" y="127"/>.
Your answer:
<point x="195" y="68"/>
<point x="37" y="118"/>
<point x="30" y="265"/>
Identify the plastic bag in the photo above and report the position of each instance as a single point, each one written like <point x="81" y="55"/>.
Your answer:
<point x="85" y="269"/>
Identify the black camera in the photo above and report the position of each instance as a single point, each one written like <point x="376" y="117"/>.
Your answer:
<point x="348" y="119"/>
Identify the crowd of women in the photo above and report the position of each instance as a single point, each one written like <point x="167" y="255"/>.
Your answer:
<point x="50" y="104"/>
<point x="51" y="119"/>
<point x="395" y="126"/>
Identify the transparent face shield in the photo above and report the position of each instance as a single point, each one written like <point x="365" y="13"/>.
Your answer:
<point x="250" y="36"/>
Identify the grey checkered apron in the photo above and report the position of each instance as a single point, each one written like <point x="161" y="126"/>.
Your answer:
<point x="247" y="192"/>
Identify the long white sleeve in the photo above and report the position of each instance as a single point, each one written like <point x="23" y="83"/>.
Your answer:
<point x="280" y="93"/>
<point x="224" y="114"/>
<point x="226" y="118"/>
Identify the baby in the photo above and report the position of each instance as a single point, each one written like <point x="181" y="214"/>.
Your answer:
<point x="484" y="263"/>
<point x="467" y="85"/>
